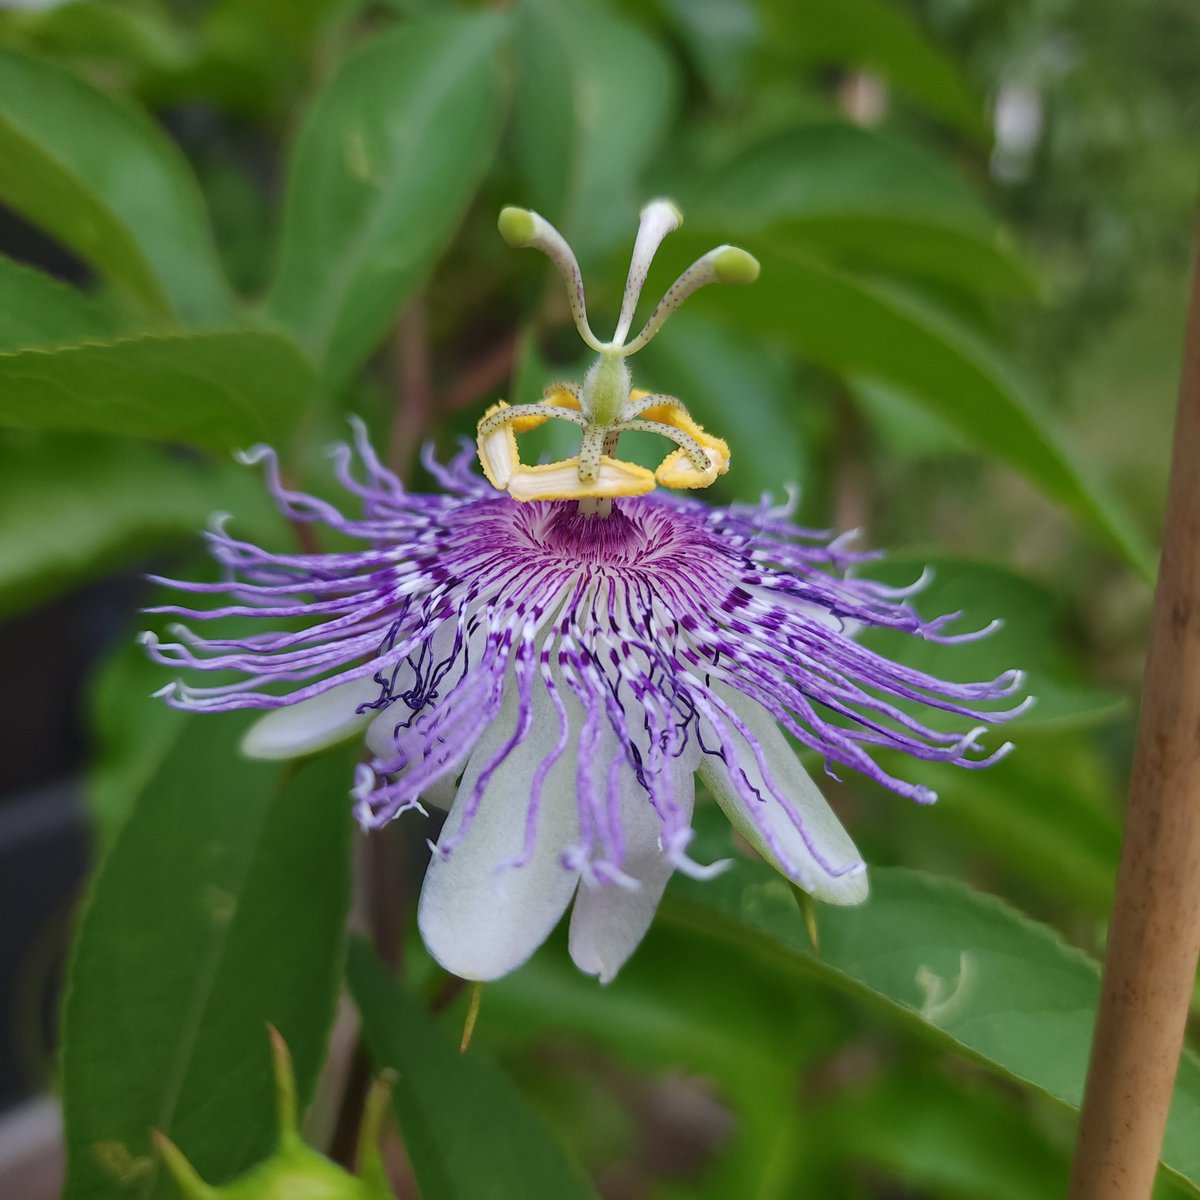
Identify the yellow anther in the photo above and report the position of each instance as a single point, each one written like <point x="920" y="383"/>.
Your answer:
<point x="678" y="471"/>
<point x="559" y="398"/>
<point x="498" y="453"/>
<point x="560" y="481"/>
<point x="700" y="460"/>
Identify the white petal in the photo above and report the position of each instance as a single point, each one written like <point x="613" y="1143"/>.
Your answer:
<point x="821" y="826"/>
<point x="312" y="724"/>
<point x="479" y="916"/>
<point x="608" y="922"/>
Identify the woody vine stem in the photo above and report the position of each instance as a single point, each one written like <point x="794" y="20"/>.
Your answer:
<point x="1154" y="936"/>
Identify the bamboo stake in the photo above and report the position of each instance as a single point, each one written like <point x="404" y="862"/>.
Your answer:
<point x="1154" y="937"/>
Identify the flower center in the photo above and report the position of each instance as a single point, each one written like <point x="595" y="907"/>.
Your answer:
<point x="605" y="405"/>
<point x="577" y="537"/>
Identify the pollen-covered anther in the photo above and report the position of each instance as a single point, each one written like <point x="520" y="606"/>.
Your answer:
<point x="561" y="481"/>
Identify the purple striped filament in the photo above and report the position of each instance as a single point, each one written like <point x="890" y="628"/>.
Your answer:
<point x="557" y="680"/>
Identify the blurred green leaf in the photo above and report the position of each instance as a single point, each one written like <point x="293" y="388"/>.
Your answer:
<point x="38" y="310"/>
<point x="880" y="37"/>
<point x="255" y="24"/>
<point x="945" y="1137"/>
<point x="963" y="965"/>
<point x="466" y="1128"/>
<point x="864" y="197"/>
<point x="594" y="98"/>
<point x="132" y="731"/>
<point x="1028" y="637"/>
<point x="1048" y="814"/>
<point x="72" y="507"/>
<point x="866" y="330"/>
<point x="666" y="1008"/>
<point x="105" y="182"/>
<point x="220" y="908"/>
<point x="745" y="1028"/>
<point x="387" y="160"/>
<point x="902" y="427"/>
<point x="739" y="390"/>
<point x="217" y="390"/>
<point x="126" y="38"/>
<point x="721" y="35"/>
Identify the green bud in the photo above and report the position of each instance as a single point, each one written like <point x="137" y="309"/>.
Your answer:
<point x="516" y="226"/>
<point x="735" y="265"/>
<point x="295" y="1171"/>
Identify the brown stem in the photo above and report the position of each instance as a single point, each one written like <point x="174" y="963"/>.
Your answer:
<point x="343" y="1144"/>
<point x="481" y="376"/>
<point x="384" y="864"/>
<point x="852" y="482"/>
<point x="1154" y="936"/>
<point x="414" y="379"/>
<point x="447" y="993"/>
<point x="305" y="531"/>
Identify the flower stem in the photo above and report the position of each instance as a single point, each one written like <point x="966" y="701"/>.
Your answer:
<point x="1154" y="935"/>
<point x="472" y="1017"/>
<point x="595" y="506"/>
<point x="479" y="379"/>
<point x="414" y="384"/>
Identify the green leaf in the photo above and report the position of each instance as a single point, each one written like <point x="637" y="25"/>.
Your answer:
<point x="865" y="330"/>
<point x="1048" y="814"/>
<point x="72" y="507"/>
<point x="217" y="390"/>
<point x="132" y="732"/>
<point x="721" y="36"/>
<point x="946" y="1137"/>
<point x="862" y="197"/>
<point x="467" y="1130"/>
<point x="829" y="169"/>
<point x="129" y="43"/>
<point x="37" y="310"/>
<point x="105" y="182"/>
<point x="594" y="99"/>
<point x="1028" y="639"/>
<point x="219" y="910"/>
<point x="744" y="1029"/>
<point x="905" y="428"/>
<point x="964" y="966"/>
<point x="878" y="36"/>
<point x="666" y="1008"/>
<point x="386" y="162"/>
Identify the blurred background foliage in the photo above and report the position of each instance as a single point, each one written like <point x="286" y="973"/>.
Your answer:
<point x="974" y="220"/>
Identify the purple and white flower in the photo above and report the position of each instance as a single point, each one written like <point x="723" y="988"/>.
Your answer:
<point x="556" y="671"/>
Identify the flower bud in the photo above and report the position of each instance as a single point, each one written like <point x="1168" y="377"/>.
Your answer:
<point x="294" y="1169"/>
